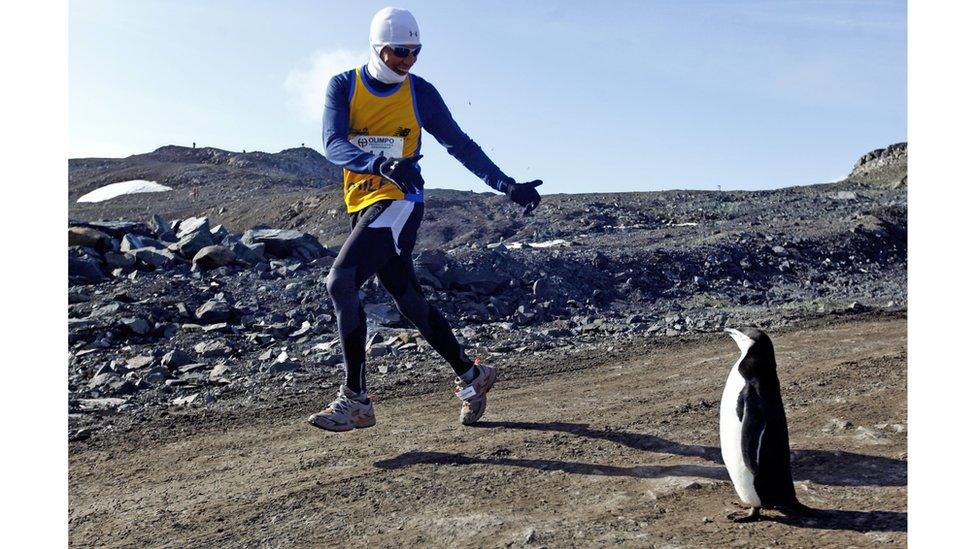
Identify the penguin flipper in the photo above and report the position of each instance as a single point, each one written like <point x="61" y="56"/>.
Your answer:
<point x="753" y="427"/>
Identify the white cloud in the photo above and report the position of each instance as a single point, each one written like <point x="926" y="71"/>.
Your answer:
<point x="306" y="83"/>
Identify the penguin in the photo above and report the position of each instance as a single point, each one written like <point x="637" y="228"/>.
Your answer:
<point x="755" y="440"/>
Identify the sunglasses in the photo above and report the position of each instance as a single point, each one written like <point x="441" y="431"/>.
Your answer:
<point x="401" y="51"/>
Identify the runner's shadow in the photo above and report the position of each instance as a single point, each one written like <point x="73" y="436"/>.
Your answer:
<point x="409" y="459"/>
<point x="830" y="468"/>
<point x="855" y="521"/>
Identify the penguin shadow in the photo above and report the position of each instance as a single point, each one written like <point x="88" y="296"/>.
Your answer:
<point x="855" y="521"/>
<point x="826" y="467"/>
<point x="830" y="468"/>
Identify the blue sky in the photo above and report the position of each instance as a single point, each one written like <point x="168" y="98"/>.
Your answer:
<point x="617" y="97"/>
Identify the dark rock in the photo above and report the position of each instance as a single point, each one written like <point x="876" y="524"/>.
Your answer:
<point x="214" y="311"/>
<point x="91" y="238"/>
<point x="115" y="229"/>
<point x="99" y="405"/>
<point x="190" y="244"/>
<point x="303" y="331"/>
<point x="161" y="228"/>
<point x="138" y="362"/>
<point x="282" y="367"/>
<point x="122" y="387"/>
<point x="218" y="233"/>
<point x="285" y="243"/>
<point x="186" y="400"/>
<point x="157" y="375"/>
<point x="83" y="270"/>
<point x="383" y="313"/>
<point x="102" y="380"/>
<point x="115" y="260"/>
<point x="220" y="372"/>
<point x="479" y="279"/>
<point x="251" y="255"/>
<point x="136" y="325"/>
<point x="192" y="367"/>
<point x="154" y="258"/>
<point x="134" y="242"/>
<point x="78" y="296"/>
<point x="192" y="225"/>
<point x="377" y="350"/>
<point x="211" y="257"/>
<point x="213" y="348"/>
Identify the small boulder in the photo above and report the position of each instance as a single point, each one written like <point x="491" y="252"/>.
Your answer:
<point x="192" y="225"/>
<point x="115" y="260"/>
<point x="154" y="258"/>
<point x="282" y="367"/>
<point x="218" y="233"/>
<point x="136" y="325"/>
<point x="103" y="380"/>
<point x="286" y="243"/>
<point x="214" y="312"/>
<point x="160" y="227"/>
<point x="84" y="270"/>
<point x="190" y="244"/>
<point x="134" y="242"/>
<point x="175" y="359"/>
<point x="220" y="372"/>
<point x="116" y="229"/>
<point x="186" y="400"/>
<point x="377" y="350"/>
<point x="251" y="255"/>
<point x="92" y="238"/>
<point x="211" y="257"/>
<point x="213" y="348"/>
<point x="139" y="362"/>
<point x="383" y="313"/>
<point x="157" y="375"/>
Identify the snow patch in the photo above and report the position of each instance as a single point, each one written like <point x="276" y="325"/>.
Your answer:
<point x="558" y="243"/>
<point x="123" y="187"/>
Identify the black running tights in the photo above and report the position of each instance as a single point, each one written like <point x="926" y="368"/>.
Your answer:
<point x="381" y="242"/>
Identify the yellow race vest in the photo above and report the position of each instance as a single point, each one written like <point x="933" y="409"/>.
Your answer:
<point x="385" y="124"/>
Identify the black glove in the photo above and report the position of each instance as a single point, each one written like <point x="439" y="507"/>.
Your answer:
<point x="404" y="173"/>
<point x="524" y="194"/>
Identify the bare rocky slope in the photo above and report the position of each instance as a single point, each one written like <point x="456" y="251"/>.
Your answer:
<point x="221" y="296"/>
<point x="201" y="333"/>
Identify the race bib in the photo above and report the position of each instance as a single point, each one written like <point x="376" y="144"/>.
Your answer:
<point x="380" y="145"/>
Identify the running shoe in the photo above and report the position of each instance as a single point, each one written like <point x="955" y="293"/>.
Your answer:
<point x="345" y="413"/>
<point x="474" y="395"/>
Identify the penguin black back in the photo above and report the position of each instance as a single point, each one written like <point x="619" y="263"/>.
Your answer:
<point x="765" y="436"/>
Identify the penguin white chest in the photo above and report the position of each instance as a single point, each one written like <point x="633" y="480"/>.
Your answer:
<point x="730" y="433"/>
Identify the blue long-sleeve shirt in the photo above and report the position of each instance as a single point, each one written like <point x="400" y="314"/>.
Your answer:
<point x="434" y="117"/>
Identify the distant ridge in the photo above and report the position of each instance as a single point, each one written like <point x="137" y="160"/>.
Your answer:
<point x="887" y="166"/>
<point x="186" y="167"/>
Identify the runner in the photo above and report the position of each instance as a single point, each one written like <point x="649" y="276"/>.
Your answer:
<point x="371" y="127"/>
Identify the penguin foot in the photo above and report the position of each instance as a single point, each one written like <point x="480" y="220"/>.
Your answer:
<point x="751" y="516"/>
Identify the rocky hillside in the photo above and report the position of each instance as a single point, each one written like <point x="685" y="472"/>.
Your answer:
<point x="201" y="178"/>
<point x="887" y="166"/>
<point x="229" y="300"/>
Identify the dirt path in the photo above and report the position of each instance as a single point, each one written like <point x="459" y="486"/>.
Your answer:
<point x="620" y="454"/>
